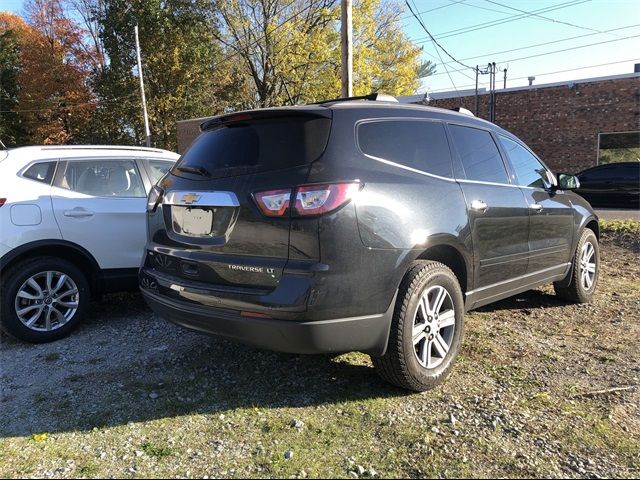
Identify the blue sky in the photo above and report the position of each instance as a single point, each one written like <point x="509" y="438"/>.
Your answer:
<point x="482" y="45"/>
<point x="588" y="33"/>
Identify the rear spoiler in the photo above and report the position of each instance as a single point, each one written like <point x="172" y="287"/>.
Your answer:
<point x="262" y="114"/>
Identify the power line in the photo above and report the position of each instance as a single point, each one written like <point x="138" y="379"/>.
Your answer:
<point x="492" y="23"/>
<point x="450" y="4"/>
<point x="552" y="73"/>
<point x="548" y="43"/>
<point x="419" y="19"/>
<point x="557" y="51"/>
<point x="554" y="20"/>
<point x="435" y="44"/>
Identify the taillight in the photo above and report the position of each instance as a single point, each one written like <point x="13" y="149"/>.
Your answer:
<point x="307" y="200"/>
<point x="319" y="199"/>
<point x="2" y="201"/>
<point x="154" y="199"/>
<point x="273" y="203"/>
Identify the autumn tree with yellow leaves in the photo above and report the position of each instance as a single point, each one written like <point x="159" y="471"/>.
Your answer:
<point x="290" y="50"/>
<point x="68" y="72"/>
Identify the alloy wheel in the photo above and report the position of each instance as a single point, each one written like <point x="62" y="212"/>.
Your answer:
<point x="47" y="301"/>
<point x="433" y="327"/>
<point x="587" y="266"/>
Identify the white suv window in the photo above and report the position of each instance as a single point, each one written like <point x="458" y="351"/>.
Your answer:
<point x="103" y="178"/>
<point x="41" y="172"/>
<point x="157" y="169"/>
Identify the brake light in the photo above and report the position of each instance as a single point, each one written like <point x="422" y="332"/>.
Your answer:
<point x="2" y="201"/>
<point x="273" y="203"/>
<point x="154" y="199"/>
<point x="308" y="200"/>
<point x="320" y="199"/>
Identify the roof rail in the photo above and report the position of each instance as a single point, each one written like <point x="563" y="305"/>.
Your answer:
<point x="100" y="147"/>
<point x="375" y="97"/>
<point x="463" y="110"/>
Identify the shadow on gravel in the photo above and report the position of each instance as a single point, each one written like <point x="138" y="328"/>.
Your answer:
<point x="126" y="365"/>
<point x="118" y="369"/>
<point x="529" y="299"/>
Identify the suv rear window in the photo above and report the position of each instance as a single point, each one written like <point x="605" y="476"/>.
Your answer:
<point x="257" y="145"/>
<point x="417" y="144"/>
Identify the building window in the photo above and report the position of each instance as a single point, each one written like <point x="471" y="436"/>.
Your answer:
<point x="618" y="147"/>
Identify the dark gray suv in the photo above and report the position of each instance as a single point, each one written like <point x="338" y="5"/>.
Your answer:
<point x="360" y="225"/>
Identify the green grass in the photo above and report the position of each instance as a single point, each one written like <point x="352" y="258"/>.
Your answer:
<point x="156" y="450"/>
<point x="630" y="227"/>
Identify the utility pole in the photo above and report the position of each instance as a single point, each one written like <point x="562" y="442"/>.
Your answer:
<point x="475" y="109"/>
<point x="346" y="33"/>
<point x="505" y="77"/>
<point x="491" y="67"/>
<point x="493" y="113"/>
<point x="144" y="101"/>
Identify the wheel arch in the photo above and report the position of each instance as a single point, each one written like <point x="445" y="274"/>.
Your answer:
<point x="592" y="224"/>
<point x="68" y="251"/>
<point x="454" y="258"/>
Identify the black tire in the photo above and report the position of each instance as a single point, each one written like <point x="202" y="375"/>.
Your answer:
<point x="576" y="292"/>
<point x="400" y="365"/>
<point x="12" y="282"/>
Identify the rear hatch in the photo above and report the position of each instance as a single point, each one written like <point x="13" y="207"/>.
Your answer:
<point x="212" y="228"/>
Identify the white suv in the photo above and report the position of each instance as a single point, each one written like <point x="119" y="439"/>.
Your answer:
<point x="72" y="226"/>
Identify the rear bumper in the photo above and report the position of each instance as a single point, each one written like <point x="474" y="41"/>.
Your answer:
<point x="368" y="334"/>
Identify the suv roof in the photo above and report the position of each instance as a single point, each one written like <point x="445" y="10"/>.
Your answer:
<point x="384" y="102"/>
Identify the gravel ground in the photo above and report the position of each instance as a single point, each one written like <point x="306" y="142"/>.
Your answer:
<point x="130" y="394"/>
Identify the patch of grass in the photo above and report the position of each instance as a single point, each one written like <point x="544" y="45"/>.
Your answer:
<point x="88" y="470"/>
<point x="51" y="356"/>
<point x="620" y="226"/>
<point x="156" y="450"/>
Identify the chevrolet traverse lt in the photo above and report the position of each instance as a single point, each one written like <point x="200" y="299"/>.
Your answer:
<point x="360" y="225"/>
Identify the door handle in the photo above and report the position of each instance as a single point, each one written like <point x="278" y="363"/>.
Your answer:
<point x="479" y="206"/>
<point x="78" y="213"/>
<point x="536" y="207"/>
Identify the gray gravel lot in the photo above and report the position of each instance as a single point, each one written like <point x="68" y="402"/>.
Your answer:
<point x="130" y="394"/>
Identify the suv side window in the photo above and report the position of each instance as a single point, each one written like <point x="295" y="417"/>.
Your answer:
<point x="529" y="171"/>
<point x="103" y="178"/>
<point x="41" y="172"/>
<point x="421" y="145"/>
<point x="479" y="154"/>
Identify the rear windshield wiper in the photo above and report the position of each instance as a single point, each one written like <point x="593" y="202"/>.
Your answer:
<point x="197" y="170"/>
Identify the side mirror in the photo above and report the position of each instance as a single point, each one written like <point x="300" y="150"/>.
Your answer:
<point x="568" y="182"/>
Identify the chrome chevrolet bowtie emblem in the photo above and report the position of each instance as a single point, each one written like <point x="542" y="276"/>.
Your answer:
<point x="190" y="198"/>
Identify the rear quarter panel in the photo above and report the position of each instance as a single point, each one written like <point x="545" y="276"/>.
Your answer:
<point x="399" y="214"/>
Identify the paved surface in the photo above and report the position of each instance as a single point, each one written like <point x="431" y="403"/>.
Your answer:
<point x="614" y="214"/>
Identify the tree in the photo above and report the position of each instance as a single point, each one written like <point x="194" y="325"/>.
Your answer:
<point x="54" y="97"/>
<point x="290" y="50"/>
<point x="181" y="60"/>
<point x="12" y="34"/>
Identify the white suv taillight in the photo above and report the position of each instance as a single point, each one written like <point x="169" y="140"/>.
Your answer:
<point x="154" y="199"/>
<point x="307" y="200"/>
